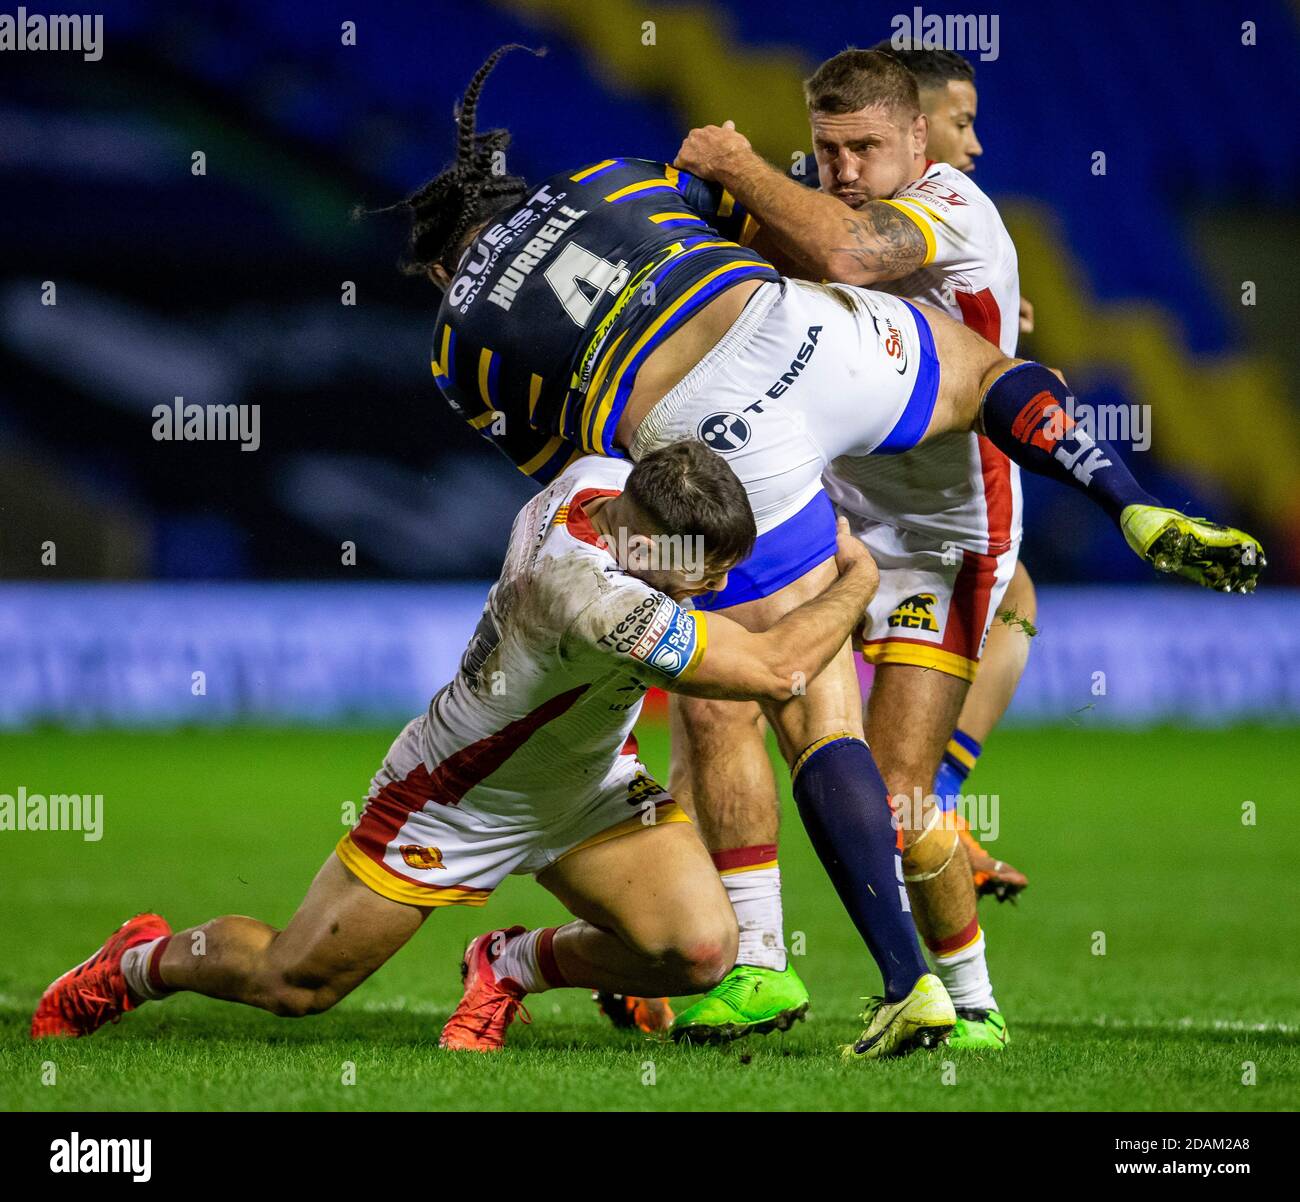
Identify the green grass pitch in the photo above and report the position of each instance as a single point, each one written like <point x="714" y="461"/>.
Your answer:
<point x="1135" y="835"/>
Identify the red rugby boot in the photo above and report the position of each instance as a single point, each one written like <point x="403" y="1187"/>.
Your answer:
<point x="84" y="998"/>
<point x="489" y="1005"/>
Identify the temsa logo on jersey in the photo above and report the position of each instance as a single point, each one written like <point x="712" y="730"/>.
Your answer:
<point x="803" y="356"/>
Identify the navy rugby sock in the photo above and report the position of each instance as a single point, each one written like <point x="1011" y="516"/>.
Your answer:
<point x="958" y="759"/>
<point x="1025" y="415"/>
<point x="845" y="809"/>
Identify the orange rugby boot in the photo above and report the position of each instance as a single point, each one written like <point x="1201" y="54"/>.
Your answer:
<point x="84" y="998"/>
<point x="488" y="1005"/>
<point x="649" y="1014"/>
<point x="991" y="876"/>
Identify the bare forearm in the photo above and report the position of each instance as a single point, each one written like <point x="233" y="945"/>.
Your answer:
<point x="848" y="246"/>
<point x="808" y="638"/>
<point x="805" y="224"/>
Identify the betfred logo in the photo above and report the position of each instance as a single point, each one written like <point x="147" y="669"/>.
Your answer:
<point x="916" y="613"/>
<point x="654" y="629"/>
<point x="421" y="857"/>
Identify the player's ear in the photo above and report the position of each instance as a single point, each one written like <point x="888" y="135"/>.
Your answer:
<point x="640" y="549"/>
<point x="438" y="274"/>
<point x="920" y="133"/>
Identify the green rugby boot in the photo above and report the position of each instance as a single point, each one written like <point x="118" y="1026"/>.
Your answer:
<point x="747" y="1001"/>
<point x="979" y="1031"/>
<point x="923" y="1019"/>
<point x="1213" y="556"/>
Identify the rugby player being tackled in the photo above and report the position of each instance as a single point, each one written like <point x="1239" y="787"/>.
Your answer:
<point x="525" y="763"/>
<point x="610" y="309"/>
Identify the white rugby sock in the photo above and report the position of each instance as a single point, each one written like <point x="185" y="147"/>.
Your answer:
<point x="135" y="968"/>
<point x="755" y="895"/>
<point x="965" y="974"/>
<point x="522" y="959"/>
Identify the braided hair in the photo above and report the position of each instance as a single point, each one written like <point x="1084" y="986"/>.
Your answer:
<point x="469" y="192"/>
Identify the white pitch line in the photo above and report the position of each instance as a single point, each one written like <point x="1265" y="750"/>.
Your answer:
<point x="1187" y="1023"/>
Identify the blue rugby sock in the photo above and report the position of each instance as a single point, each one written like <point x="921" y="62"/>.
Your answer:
<point x="958" y="760"/>
<point x="1026" y="416"/>
<point x="845" y="809"/>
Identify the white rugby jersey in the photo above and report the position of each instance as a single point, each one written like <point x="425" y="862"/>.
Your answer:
<point x="959" y="488"/>
<point x="551" y="683"/>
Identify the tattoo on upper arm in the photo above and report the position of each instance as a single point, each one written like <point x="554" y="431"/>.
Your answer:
<point x="883" y="241"/>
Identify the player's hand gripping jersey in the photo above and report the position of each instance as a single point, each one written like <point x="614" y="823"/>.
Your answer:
<point x="556" y="305"/>
<point x="527" y="753"/>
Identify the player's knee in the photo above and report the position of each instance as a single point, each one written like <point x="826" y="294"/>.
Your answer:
<point x="701" y="963"/>
<point x="999" y="364"/>
<point x="703" y="714"/>
<point x="904" y="773"/>
<point x="997" y="367"/>
<point x="695" y="959"/>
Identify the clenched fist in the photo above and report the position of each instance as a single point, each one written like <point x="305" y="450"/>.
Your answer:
<point x="709" y="150"/>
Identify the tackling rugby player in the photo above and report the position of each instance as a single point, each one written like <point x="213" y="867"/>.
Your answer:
<point x="525" y="763"/>
<point x="943" y="522"/>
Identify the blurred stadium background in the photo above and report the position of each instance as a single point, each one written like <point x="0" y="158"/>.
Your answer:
<point x="172" y="558"/>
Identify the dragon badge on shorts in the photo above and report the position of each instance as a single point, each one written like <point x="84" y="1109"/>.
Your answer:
<point x="421" y="857"/>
